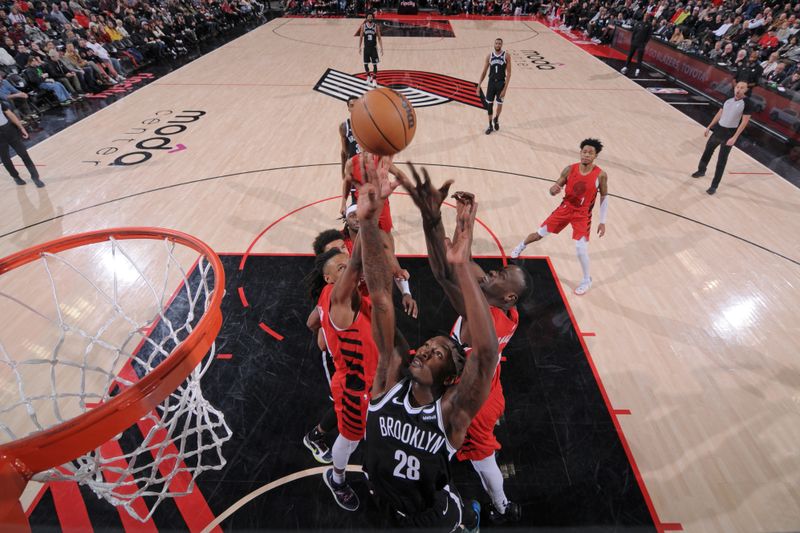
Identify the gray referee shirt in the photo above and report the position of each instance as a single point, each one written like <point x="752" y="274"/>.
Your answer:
<point x="733" y="110"/>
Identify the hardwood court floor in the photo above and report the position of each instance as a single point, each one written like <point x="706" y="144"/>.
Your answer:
<point x="695" y="298"/>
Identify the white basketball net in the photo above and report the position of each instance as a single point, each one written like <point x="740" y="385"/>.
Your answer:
<point x="99" y="349"/>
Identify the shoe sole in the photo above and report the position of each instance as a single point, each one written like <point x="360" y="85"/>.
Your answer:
<point x="333" y="492"/>
<point x="316" y="458"/>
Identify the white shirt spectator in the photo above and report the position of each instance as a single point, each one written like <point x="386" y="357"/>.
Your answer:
<point x="5" y="58"/>
<point x="719" y="32"/>
<point x="755" y="23"/>
<point x="16" y="18"/>
<point x="99" y="51"/>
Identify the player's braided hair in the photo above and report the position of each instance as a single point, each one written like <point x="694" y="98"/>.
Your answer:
<point x="315" y="280"/>
<point x="459" y="354"/>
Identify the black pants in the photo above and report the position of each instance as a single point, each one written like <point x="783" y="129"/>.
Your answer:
<point x="637" y="49"/>
<point x="9" y="136"/>
<point x="719" y="137"/>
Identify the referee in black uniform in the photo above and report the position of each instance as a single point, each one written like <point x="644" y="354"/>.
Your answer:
<point x="725" y="128"/>
<point x="11" y="134"/>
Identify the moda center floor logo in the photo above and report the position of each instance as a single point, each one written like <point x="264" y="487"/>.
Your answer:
<point x="422" y="89"/>
<point x="138" y="144"/>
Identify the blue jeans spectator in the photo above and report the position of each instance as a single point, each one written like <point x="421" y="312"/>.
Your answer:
<point x="56" y="88"/>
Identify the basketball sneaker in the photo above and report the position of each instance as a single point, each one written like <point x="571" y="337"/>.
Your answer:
<point x="711" y="190"/>
<point x="624" y="70"/>
<point x="513" y="513"/>
<point x="698" y="174"/>
<point x="319" y="449"/>
<point x="496" y="125"/>
<point x="584" y="287"/>
<point x="517" y="250"/>
<point x="489" y="129"/>
<point x="343" y="493"/>
<point x="636" y="73"/>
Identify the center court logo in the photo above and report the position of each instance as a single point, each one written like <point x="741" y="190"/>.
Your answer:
<point x="138" y="144"/>
<point x="422" y="89"/>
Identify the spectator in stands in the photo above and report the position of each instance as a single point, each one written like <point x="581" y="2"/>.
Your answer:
<point x="14" y="98"/>
<point x="36" y="76"/>
<point x="111" y="65"/>
<point x="56" y="71"/>
<point x="777" y="75"/>
<point x="749" y="71"/>
<point x="791" y="50"/>
<point x="792" y="83"/>
<point x="716" y="52"/>
<point x="769" y="65"/>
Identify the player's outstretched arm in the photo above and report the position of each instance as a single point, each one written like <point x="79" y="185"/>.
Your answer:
<point x="378" y="273"/>
<point x="462" y="402"/>
<point x="429" y="200"/>
<point x="344" y="295"/>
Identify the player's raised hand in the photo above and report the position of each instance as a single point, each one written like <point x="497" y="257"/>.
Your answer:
<point x="459" y="249"/>
<point x="424" y="194"/>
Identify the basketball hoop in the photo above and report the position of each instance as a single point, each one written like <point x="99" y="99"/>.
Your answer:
<point x="91" y="343"/>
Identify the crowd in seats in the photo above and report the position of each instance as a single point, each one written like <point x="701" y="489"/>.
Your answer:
<point x="53" y="53"/>
<point x="749" y="35"/>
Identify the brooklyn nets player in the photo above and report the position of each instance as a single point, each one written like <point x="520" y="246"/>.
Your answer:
<point x="370" y="36"/>
<point x="350" y="146"/>
<point x="418" y="415"/>
<point x="499" y="67"/>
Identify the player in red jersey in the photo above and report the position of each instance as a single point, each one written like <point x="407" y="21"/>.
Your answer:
<point x="344" y="315"/>
<point x="353" y="176"/>
<point x="583" y="180"/>
<point x="503" y="289"/>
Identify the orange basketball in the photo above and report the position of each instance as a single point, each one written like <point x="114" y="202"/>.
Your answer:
<point x="383" y="121"/>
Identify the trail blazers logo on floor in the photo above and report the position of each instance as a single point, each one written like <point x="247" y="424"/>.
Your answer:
<point x="423" y="89"/>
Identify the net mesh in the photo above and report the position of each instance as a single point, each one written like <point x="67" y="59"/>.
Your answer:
<point x="100" y="318"/>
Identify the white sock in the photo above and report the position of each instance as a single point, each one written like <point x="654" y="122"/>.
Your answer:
<point x="492" y="480"/>
<point x="342" y="449"/>
<point x="582" y="249"/>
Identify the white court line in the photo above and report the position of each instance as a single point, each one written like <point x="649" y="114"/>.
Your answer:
<point x="687" y="103"/>
<point x="268" y="487"/>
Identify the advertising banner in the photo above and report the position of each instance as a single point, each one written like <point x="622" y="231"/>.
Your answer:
<point x="774" y="109"/>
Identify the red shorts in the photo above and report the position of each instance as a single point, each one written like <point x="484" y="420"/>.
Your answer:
<point x="564" y="214"/>
<point x="480" y="441"/>
<point x="351" y="408"/>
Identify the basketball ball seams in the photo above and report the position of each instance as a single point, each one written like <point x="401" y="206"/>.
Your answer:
<point x="377" y="128"/>
<point x="399" y="114"/>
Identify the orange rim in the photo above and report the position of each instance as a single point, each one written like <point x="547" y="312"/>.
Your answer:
<point x="73" y="438"/>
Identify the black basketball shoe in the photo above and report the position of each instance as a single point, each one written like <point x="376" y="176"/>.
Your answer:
<point x="513" y="513"/>
<point x="344" y="494"/>
<point x="496" y="125"/>
<point x="319" y="449"/>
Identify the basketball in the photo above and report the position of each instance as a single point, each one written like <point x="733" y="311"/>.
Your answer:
<point x="383" y="121"/>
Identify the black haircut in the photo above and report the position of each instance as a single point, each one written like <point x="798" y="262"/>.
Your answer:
<point x="324" y="239"/>
<point x="595" y="143"/>
<point x="499" y="39"/>
<point x="351" y="98"/>
<point x="527" y="289"/>
<point x="315" y="280"/>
